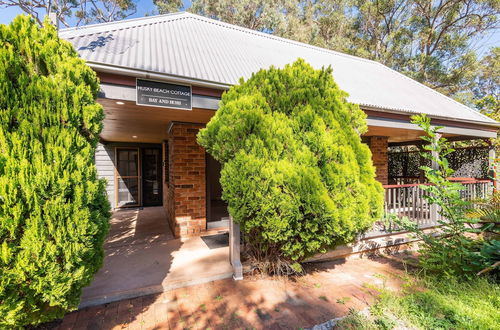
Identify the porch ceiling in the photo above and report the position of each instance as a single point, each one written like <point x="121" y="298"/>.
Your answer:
<point x="148" y="124"/>
<point x="394" y="134"/>
<point x="408" y="136"/>
<point x="401" y="130"/>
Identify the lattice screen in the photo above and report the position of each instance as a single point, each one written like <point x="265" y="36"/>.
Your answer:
<point x="467" y="162"/>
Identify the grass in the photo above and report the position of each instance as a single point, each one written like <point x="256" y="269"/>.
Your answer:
<point x="343" y="300"/>
<point x="432" y="304"/>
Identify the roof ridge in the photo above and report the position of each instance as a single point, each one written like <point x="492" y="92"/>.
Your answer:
<point x="275" y="37"/>
<point x="448" y="98"/>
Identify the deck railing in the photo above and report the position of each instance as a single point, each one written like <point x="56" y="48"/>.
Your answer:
<point x="398" y="180"/>
<point x="408" y="200"/>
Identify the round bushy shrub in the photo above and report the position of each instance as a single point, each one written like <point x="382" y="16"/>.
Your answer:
<point x="54" y="214"/>
<point x="295" y="175"/>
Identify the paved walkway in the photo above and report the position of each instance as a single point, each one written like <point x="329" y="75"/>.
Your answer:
<point x="327" y="291"/>
<point x="142" y="257"/>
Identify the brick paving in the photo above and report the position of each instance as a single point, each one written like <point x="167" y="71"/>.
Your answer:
<point x="327" y="291"/>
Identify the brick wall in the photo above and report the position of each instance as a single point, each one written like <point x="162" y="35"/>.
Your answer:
<point x="185" y="192"/>
<point x="168" y="189"/>
<point x="378" y="145"/>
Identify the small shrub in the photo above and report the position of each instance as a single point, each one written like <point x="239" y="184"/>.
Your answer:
<point x="53" y="210"/>
<point x="451" y="251"/>
<point x="356" y="321"/>
<point x="295" y="173"/>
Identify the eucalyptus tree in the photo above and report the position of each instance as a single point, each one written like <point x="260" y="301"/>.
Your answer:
<point x="432" y="41"/>
<point x="75" y="12"/>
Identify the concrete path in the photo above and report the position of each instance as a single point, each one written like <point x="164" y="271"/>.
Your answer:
<point x="142" y="257"/>
<point x="327" y="291"/>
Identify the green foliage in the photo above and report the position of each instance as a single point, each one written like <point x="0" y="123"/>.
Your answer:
<point x="490" y="259"/>
<point x="169" y="6"/>
<point x="356" y="321"/>
<point x="488" y="211"/>
<point x="53" y="210"/>
<point x="435" y="304"/>
<point x="295" y="173"/>
<point x="430" y="303"/>
<point x="451" y="251"/>
<point x="487" y="89"/>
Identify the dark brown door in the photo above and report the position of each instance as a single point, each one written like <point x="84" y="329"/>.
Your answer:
<point x="216" y="207"/>
<point x="151" y="177"/>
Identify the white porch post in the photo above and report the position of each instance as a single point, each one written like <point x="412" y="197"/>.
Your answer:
<point x="234" y="249"/>
<point x="435" y="166"/>
<point x="492" y="164"/>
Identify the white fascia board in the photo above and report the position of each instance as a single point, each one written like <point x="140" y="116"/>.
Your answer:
<point x="107" y="68"/>
<point x="392" y="123"/>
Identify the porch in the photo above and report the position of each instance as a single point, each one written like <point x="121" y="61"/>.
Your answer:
<point x="151" y="154"/>
<point x="143" y="257"/>
<point x="405" y="197"/>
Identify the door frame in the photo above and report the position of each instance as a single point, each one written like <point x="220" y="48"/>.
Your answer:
<point x="159" y="164"/>
<point x="208" y="194"/>
<point x="139" y="176"/>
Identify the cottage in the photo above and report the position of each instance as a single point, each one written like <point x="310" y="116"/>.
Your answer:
<point x="161" y="81"/>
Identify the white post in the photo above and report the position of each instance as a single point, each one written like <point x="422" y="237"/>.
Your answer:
<point x="434" y="166"/>
<point x="234" y="249"/>
<point x="492" y="162"/>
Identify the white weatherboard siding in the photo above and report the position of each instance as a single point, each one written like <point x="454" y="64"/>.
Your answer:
<point x="184" y="45"/>
<point x="104" y="161"/>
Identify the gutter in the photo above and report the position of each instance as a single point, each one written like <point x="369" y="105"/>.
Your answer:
<point x="155" y="76"/>
<point x="406" y="113"/>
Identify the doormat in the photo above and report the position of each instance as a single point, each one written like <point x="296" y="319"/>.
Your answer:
<point x="216" y="241"/>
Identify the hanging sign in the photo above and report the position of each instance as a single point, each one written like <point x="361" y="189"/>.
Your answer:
<point x="159" y="94"/>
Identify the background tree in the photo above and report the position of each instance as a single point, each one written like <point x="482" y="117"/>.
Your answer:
<point x="487" y="85"/>
<point x="286" y="18"/>
<point x="83" y="11"/>
<point x="295" y="173"/>
<point x="432" y="41"/>
<point x="170" y="6"/>
<point x="443" y="57"/>
<point x="53" y="210"/>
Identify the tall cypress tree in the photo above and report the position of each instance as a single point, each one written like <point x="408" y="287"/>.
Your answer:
<point x="295" y="175"/>
<point x="54" y="214"/>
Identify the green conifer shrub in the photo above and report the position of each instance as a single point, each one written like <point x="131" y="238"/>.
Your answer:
<point x="54" y="214"/>
<point x="295" y="173"/>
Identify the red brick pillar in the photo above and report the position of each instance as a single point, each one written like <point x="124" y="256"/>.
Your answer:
<point x="186" y="193"/>
<point x="378" y="145"/>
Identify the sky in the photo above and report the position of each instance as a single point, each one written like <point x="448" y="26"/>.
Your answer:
<point x="145" y="7"/>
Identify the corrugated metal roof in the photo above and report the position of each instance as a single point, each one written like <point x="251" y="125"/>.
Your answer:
<point x="187" y="45"/>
